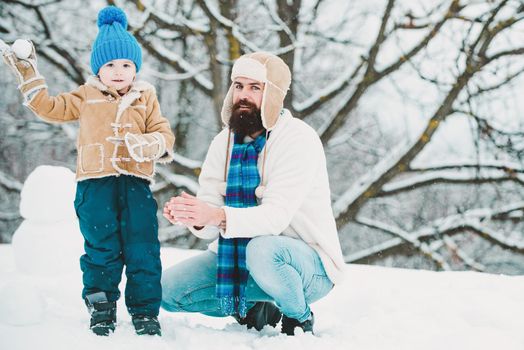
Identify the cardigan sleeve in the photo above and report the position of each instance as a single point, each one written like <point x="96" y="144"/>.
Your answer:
<point x="211" y="180"/>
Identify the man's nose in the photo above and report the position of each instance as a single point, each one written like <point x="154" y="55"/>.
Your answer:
<point x="243" y="94"/>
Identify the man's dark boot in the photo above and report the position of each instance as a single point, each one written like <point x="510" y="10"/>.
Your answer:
<point x="261" y="314"/>
<point x="289" y="325"/>
<point x="103" y="313"/>
<point x="146" y="325"/>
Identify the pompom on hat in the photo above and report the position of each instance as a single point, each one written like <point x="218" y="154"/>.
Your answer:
<point x="113" y="41"/>
<point x="268" y="69"/>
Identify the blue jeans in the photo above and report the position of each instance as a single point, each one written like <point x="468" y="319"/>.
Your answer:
<point x="281" y="269"/>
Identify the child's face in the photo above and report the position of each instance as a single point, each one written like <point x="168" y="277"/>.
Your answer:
<point x="118" y="74"/>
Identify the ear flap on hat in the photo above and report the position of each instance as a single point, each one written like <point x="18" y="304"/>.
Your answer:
<point x="277" y="84"/>
<point x="227" y="106"/>
<point x="272" y="104"/>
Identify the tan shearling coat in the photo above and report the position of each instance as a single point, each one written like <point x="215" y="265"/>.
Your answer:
<point x="105" y="117"/>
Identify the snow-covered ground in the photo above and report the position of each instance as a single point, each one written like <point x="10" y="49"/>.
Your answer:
<point x="374" y="308"/>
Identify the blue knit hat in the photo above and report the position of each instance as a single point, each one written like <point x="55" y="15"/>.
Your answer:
<point x="113" y="41"/>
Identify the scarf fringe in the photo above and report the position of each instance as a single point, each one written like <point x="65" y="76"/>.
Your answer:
<point x="229" y="304"/>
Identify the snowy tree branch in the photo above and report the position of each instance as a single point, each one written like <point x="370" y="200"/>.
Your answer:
<point x="507" y="167"/>
<point x="514" y="52"/>
<point x="407" y="237"/>
<point x="181" y="25"/>
<point x="179" y="181"/>
<point x="9" y="215"/>
<point x="226" y="23"/>
<point x="32" y="5"/>
<point x="177" y="62"/>
<point x="452" y="11"/>
<point x="462" y="255"/>
<point x="440" y="230"/>
<point x="505" y="81"/>
<point x="372" y="76"/>
<point x="10" y="183"/>
<point x="467" y="177"/>
<point x="350" y="202"/>
<point x="319" y="99"/>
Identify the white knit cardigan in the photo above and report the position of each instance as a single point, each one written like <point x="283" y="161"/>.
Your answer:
<point x="296" y="201"/>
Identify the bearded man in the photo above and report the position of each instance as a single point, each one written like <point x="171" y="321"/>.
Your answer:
<point x="264" y="197"/>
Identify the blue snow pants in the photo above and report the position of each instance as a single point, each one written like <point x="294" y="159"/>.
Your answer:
<point x="118" y="220"/>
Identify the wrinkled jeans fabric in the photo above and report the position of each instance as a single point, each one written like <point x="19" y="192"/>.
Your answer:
<point x="281" y="269"/>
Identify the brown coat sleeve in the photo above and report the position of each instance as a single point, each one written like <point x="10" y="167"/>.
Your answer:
<point x="64" y="107"/>
<point x="155" y="122"/>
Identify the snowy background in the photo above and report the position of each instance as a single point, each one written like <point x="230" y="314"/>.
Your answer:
<point x="418" y="104"/>
<point x="373" y="308"/>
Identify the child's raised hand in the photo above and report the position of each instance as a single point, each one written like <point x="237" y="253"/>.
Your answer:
<point x="21" y="59"/>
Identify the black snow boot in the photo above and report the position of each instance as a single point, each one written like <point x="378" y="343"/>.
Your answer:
<point x="146" y="325"/>
<point x="261" y="314"/>
<point x="289" y="325"/>
<point x="103" y="313"/>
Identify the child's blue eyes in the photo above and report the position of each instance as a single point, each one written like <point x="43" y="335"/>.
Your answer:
<point x="111" y="65"/>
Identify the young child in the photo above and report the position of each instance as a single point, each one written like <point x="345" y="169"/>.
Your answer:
<point x="122" y="134"/>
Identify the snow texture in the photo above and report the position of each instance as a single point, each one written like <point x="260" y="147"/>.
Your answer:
<point x="375" y="308"/>
<point x="48" y="241"/>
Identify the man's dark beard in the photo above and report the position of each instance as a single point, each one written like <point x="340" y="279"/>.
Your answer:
<point x="245" y="122"/>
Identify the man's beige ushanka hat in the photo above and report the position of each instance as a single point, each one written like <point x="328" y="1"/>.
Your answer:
<point x="268" y="69"/>
<point x="276" y="76"/>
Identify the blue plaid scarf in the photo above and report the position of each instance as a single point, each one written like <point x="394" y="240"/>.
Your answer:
<point x="242" y="180"/>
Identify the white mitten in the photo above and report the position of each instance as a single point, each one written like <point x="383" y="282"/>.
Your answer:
<point x="145" y="147"/>
<point x="21" y="58"/>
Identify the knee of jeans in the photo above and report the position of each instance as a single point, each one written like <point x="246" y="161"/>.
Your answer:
<point x="170" y="305"/>
<point x="171" y="302"/>
<point x="261" y="252"/>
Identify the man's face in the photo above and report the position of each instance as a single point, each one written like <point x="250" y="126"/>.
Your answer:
<point x="247" y="99"/>
<point x="245" y="89"/>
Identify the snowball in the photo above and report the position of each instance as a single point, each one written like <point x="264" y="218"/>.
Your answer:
<point x="21" y="304"/>
<point x="22" y="48"/>
<point x="48" y="194"/>
<point x="48" y="248"/>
